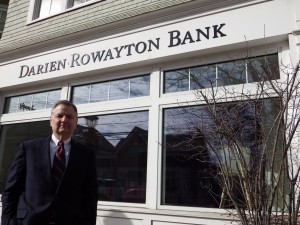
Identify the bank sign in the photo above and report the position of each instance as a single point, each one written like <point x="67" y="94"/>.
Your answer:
<point x="189" y="37"/>
<point x="175" y="38"/>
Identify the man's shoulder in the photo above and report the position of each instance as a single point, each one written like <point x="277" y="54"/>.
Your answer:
<point x="37" y="141"/>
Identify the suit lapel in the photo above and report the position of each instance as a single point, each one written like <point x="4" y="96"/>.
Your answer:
<point x="44" y="151"/>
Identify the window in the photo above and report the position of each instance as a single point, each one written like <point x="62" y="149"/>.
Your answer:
<point x="222" y="74"/>
<point x="44" y="8"/>
<point x="11" y="136"/>
<point x="31" y="102"/>
<point x="120" y="144"/>
<point x="189" y="169"/>
<point x="3" y="14"/>
<point x="112" y="90"/>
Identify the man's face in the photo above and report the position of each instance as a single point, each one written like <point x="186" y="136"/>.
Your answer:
<point x="63" y="121"/>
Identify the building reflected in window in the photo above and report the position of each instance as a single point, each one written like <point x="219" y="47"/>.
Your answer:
<point x="120" y="144"/>
<point x="195" y="147"/>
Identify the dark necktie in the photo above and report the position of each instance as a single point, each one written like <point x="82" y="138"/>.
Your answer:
<point x="59" y="163"/>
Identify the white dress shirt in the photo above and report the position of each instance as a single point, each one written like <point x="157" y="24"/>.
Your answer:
<point x="53" y="147"/>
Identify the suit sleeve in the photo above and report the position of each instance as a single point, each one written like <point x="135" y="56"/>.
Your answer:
<point x="90" y="199"/>
<point x="14" y="187"/>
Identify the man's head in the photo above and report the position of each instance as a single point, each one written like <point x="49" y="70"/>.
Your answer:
<point x="63" y="119"/>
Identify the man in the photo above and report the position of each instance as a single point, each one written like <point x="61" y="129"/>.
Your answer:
<point x="52" y="180"/>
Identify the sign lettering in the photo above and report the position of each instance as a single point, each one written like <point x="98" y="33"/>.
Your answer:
<point x="176" y="38"/>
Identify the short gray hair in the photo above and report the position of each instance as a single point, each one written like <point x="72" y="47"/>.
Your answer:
<point x="66" y="103"/>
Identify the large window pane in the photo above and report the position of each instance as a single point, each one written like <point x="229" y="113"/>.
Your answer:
<point x="118" y="140"/>
<point x="192" y="146"/>
<point x="120" y="144"/>
<point x="12" y="136"/>
<point x="188" y="176"/>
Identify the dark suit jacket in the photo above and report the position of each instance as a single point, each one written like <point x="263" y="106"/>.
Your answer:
<point x="30" y="195"/>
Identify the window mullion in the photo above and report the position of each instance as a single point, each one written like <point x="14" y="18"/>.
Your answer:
<point x="217" y="77"/>
<point x="90" y="92"/>
<point x="189" y="79"/>
<point x="129" y="86"/>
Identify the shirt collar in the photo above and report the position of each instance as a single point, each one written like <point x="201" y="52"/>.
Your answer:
<point x="55" y="140"/>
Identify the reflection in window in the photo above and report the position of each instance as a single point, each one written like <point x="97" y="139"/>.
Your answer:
<point x="189" y="169"/>
<point x="112" y="90"/>
<point x="97" y="93"/>
<point x="139" y="86"/>
<point x="30" y="102"/>
<point x="222" y="74"/>
<point x="119" y="89"/>
<point x="120" y="145"/>
<point x="203" y="77"/>
<point x="177" y="80"/>
<point x="263" y="68"/>
<point x="231" y="73"/>
<point x="11" y="136"/>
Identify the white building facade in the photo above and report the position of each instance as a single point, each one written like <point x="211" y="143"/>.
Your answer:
<point x="118" y="61"/>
